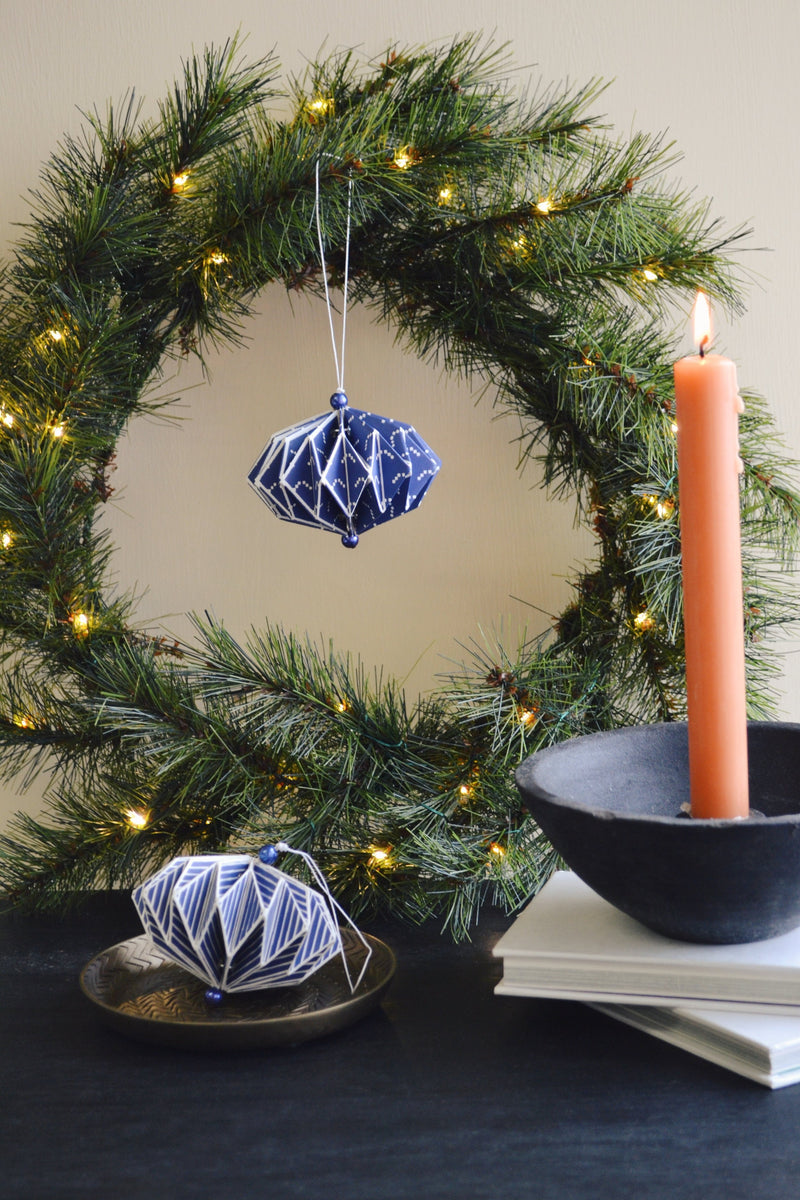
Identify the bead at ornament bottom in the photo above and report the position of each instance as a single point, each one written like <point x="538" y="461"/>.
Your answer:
<point x="350" y="540"/>
<point x="213" y="996"/>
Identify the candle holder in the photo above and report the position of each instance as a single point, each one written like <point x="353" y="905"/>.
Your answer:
<point x="615" y="806"/>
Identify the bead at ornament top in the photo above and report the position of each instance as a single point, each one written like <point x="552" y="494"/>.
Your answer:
<point x="338" y="399"/>
<point x="268" y="855"/>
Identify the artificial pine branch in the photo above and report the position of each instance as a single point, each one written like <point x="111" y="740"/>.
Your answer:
<point x="511" y="239"/>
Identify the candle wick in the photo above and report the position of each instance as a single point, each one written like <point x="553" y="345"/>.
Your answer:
<point x="703" y="348"/>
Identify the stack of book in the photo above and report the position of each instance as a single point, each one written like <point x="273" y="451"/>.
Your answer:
<point x="738" y="1006"/>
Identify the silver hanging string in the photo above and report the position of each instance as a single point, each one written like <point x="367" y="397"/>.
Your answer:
<point x="335" y="907"/>
<point x="338" y="358"/>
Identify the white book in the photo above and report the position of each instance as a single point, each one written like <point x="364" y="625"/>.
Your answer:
<point x="571" y="944"/>
<point x="763" y="1048"/>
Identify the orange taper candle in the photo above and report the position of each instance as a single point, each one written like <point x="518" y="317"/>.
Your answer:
<point x="708" y="407"/>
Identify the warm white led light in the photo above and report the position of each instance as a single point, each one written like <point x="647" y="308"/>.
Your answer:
<point x="137" y="819"/>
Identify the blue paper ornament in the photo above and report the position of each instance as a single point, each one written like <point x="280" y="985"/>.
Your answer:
<point x="238" y="923"/>
<point x="348" y="470"/>
<point x="345" y="471"/>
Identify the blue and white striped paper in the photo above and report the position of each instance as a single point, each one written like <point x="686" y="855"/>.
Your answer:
<point x="237" y="923"/>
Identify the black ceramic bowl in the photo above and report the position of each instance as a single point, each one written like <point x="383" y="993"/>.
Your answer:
<point x="610" y="803"/>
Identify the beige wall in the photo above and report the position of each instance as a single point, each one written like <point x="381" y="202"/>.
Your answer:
<point x="721" y="77"/>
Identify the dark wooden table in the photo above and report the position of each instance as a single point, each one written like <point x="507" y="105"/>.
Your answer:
<point x="446" y="1092"/>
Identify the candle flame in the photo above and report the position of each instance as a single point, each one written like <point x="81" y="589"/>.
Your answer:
<point x="701" y="319"/>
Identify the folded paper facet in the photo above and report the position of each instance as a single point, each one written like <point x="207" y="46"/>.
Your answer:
<point x="236" y="922"/>
<point x="344" y="471"/>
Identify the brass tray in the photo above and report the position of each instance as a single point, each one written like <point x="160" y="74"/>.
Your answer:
<point x="139" y="992"/>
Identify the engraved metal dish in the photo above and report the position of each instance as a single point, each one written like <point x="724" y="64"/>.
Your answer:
<point x="139" y="992"/>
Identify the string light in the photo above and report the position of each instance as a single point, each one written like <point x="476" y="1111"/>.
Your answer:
<point x="544" y="207"/>
<point x="80" y="624"/>
<point x="445" y="195"/>
<point x="24" y="722"/>
<point x="321" y="106"/>
<point x="217" y="258"/>
<point x="643" y="621"/>
<point x="650" y="275"/>
<point x="527" y="716"/>
<point x="664" y="505"/>
<point x="6" y="538"/>
<point x="180" y="180"/>
<point x="378" y="856"/>
<point x="342" y="706"/>
<point x="498" y="850"/>
<point x="6" y="418"/>
<point x="137" y="818"/>
<point x="465" y="790"/>
<point x="55" y="335"/>
<point x="404" y="158"/>
<point x="58" y="431"/>
<point x="674" y="426"/>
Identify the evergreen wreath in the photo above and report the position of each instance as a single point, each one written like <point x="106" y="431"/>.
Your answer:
<point x="510" y="239"/>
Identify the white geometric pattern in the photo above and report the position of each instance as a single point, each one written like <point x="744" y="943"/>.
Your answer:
<point x="236" y="922"/>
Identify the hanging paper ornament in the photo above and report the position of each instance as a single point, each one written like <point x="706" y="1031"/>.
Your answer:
<point x="238" y="922"/>
<point x="345" y="471"/>
<point x="348" y="470"/>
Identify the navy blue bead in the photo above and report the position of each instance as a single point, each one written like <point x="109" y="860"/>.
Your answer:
<point x="213" y="996"/>
<point x="350" y="540"/>
<point x="268" y="855"/>
<point x="338" y="400"/>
